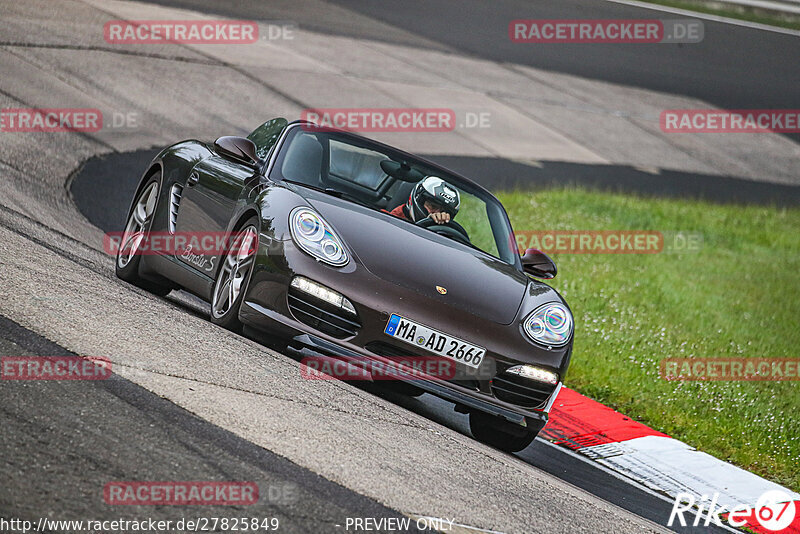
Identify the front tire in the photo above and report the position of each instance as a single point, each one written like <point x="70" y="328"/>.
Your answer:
<point x="234" y="276"/>
<point x="136" y="231"/>
<point x="501" y="434"/>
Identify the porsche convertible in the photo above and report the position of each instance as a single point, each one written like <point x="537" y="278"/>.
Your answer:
<point x="352" y="250"/>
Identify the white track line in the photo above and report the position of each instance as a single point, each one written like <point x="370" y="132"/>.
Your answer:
<point x="706" y="16"/>
<point x="780" y="7"/>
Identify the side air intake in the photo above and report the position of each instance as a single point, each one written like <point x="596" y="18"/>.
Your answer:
<point x="175" y="194"/>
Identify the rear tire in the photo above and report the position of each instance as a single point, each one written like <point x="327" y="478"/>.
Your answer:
<point x="138" y="226"/>
<point x="501" y="434"/>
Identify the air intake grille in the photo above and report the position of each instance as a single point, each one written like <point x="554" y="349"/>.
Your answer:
<point x="322" y="316"/>
<point x="521" y="391"/>
<point x="175" y="194"/>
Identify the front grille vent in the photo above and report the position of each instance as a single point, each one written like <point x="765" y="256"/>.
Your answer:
<point x="322" y="316"/>
<point x="522" y="391"/>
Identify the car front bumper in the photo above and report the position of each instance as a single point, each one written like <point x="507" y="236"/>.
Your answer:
<point x="266" y="308"/>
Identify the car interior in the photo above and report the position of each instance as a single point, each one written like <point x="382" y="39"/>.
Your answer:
<point x="353" y="170"/>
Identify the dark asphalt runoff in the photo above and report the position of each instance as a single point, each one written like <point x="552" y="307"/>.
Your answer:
<point x="91" y="184"/>
<point x="63" y="441"/>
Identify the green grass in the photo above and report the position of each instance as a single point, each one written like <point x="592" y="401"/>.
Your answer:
<point x="736" y="297"/>
<point x="735" y="12"/>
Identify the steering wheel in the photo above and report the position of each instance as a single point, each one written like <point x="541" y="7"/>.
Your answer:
<point x="453" y="232"/>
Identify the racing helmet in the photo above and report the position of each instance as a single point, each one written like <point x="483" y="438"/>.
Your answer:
<point x="436" y="190"/>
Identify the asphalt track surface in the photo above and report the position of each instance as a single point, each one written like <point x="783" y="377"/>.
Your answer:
<point x="67" y="440"/>
<point x="78" y="437"/>
<point x="734" y="67"/>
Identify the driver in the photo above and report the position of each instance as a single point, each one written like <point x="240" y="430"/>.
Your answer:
<point x="431" y="197"/>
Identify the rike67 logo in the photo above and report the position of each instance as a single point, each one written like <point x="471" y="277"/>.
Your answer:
<point x="775" y="511"/>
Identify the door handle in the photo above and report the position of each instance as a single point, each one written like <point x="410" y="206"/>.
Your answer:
<point x="193" y="179"/>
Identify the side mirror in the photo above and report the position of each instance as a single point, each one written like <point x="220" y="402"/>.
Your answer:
<point x="238" y="148"/>
<point x="538" y="264"/>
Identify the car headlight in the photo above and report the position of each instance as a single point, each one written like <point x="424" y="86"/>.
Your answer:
<point x="315" y="236"/>
<point x="550" y="324"/>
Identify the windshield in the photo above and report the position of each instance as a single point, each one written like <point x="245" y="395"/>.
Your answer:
<point x="364" y="172"/>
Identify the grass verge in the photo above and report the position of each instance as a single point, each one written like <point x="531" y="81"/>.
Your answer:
<point x="738" y="296"/>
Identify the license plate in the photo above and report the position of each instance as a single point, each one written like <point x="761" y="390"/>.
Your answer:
<point x="438" y="343"/>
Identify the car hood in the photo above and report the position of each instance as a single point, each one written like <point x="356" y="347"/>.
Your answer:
<point x="420" y="260"/>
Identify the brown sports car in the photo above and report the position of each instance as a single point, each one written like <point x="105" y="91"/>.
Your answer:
<point x="352" y="251"/>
